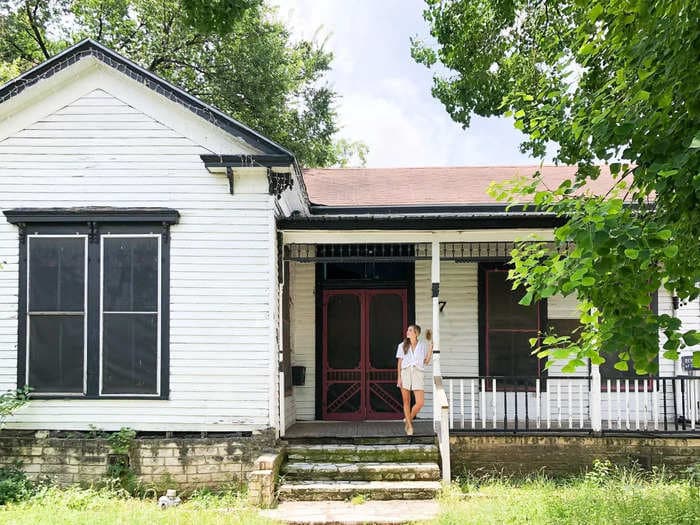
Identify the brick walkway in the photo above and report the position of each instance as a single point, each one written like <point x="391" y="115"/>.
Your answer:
<point x="379" y="512"/>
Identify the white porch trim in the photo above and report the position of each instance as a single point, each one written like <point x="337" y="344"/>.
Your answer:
<point x="412" y="236"/>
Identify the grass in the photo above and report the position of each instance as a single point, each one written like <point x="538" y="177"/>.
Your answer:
<point x="76" y="506"/>
<point x="606" y="495"/>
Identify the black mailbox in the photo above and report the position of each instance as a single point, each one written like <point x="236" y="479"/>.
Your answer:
<point x="298" y="375"/>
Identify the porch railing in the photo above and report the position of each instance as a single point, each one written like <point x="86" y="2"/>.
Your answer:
<point x="569" y="403"/>
<point x="441" y="423"/>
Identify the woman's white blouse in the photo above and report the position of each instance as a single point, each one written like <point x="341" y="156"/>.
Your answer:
<point x="415" y="357"/>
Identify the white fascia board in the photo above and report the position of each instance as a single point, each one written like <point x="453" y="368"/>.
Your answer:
<point x="414" y="236"/>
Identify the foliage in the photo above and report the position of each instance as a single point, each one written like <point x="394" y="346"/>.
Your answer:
<point x="602" y="80"/>
<point x="233" y="54"/>
<point x="351" y="154"/>
<point x="11" y="401"/>
<point x="14" y="485"/>
<point x="119" y="472"/>
<point x="122" y="441"/>
<point x="216" y="16"/>
<point x="79" y="506"/>
<point x="606" y="494"/>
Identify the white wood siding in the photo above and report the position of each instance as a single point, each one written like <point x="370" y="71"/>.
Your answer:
<point x="459" y="321"/>
<point x="100" y="150"/>
<point x="303" y="323"/>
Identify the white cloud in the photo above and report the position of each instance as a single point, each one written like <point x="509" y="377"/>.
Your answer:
<point x="385" y="96"/>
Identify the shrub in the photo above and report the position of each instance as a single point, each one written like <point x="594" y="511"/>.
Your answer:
<point x="14" y="485"/>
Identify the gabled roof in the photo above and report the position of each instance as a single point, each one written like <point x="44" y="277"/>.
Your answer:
<point x="90" y="48"/>
<point x="424" y="188"/>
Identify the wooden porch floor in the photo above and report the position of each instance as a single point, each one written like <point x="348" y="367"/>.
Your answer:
<point x="357" y="429"/>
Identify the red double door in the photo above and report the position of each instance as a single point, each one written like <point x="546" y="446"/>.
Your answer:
<point x="361" y="330"/>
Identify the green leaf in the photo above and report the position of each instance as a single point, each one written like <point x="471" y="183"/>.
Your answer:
<point x="622" y="366"/>
<point x="527" y="299"/>
<point x="519" y="114"/>
<point x="671" y="354"/>
<point x="691" y="338"/>
<point x="586" y="49"/>
<point x="631" y="253"/>
<point x="595" y="12"/>
<point x="588" y="281"/>
<point x="664" y="234"/>
<point x="696" y="359"/>
<point x="695" y="143"/>
<point x="597" y="360"/>
<point x="671" y="251"/>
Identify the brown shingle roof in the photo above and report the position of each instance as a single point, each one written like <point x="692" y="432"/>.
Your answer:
<point x="428" y="186"/>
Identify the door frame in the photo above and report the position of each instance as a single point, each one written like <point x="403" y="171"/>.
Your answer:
<point x="321" y="284"/>
<point x="365" y="296"/>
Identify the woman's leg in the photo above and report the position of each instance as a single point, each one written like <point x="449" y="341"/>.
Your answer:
<point x="406" y="396"/>
<point x="420" y="401"/>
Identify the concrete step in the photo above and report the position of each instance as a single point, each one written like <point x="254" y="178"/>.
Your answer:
<point x="361" y="440"/>
<point x="347" y="453"/>
<point x="367" y="471"/>
<point x="343" y="490"/>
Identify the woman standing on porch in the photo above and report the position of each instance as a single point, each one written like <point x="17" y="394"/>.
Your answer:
<point x="412" y="356"/>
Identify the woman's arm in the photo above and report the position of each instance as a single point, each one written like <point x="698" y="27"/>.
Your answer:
<point x="429" y="355"/>
<point x="399" y="383"/>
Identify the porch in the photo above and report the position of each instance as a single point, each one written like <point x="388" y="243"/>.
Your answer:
<point x="484" y="378"/>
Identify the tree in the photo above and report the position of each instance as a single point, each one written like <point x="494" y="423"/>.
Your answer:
<point x="613" y="81"/>
<point x="232" y="54"/>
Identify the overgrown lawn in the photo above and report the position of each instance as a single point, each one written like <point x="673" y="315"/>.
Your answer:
<point x="75" y="506"/>
<point x="607" y="495"/>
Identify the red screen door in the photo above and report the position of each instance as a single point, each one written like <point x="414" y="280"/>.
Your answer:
<point x="361" y="330"/>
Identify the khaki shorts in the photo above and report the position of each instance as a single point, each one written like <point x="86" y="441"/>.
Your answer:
<point x="412" y="378"/>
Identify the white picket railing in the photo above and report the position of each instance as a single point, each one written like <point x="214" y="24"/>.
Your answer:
<point x="556" y="403"/>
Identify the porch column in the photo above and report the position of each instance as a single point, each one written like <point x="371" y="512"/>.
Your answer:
<point x="595" y="399"/>
<point x="435" y="277"/>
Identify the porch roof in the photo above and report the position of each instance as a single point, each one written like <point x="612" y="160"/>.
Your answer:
<point x="428" y="186"/>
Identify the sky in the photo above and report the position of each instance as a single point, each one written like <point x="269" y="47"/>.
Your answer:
<point x="385" y="98"/>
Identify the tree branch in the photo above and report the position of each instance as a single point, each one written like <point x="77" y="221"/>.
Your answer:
<point x="31" y="16"/>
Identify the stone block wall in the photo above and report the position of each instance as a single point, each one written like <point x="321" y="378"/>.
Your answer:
<point x="561" y="455"/>
<point x="188" y="462"/>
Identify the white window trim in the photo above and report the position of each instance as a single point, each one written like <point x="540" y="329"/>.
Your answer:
<point x="158" y="313"/>
<point x="85" y="312"/>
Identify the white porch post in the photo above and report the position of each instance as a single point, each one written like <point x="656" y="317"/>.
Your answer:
<point x="595" y="399"/>
<point x="435" y="277"/>
<point x="441" y="410"/>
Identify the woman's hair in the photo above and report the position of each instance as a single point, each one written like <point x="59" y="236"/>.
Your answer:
<point x="407" y="341"/>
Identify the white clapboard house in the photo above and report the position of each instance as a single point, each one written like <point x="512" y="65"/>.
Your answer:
<point x="166" y="268"/>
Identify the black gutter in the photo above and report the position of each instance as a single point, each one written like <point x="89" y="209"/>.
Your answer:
<point x="242" y="161"/>
<point x="406" y="209"/>
<point x="89" y="47"/>
<point x="407" y="222"/>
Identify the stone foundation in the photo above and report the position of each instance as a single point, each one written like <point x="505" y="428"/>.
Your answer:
<point x="185" y="462"/>
<point x="561" y="455"/>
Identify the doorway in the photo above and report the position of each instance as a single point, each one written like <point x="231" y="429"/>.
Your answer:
<point x="361" y="331"/>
